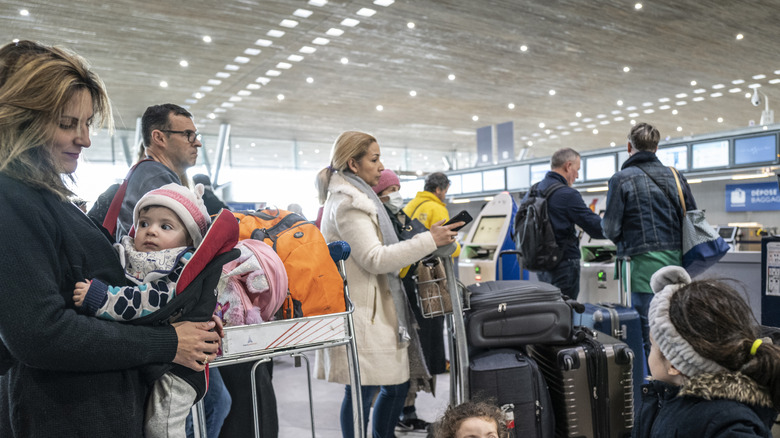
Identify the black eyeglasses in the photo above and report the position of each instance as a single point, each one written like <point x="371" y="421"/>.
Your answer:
<point x="192" y="136"/>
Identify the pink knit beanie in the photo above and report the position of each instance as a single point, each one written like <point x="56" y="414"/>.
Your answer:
<point x="188" y="205"/>
<point x="387" y="179"/>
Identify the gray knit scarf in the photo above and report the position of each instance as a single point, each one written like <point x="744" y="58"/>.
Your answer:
<point x="417" y="366"/>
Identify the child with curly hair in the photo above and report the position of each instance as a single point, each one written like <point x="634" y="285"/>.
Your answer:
<point x="713" y="374"/>
<point x="473" y="419"/>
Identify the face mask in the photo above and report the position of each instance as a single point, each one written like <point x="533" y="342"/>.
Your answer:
<point x="395" y="202"/>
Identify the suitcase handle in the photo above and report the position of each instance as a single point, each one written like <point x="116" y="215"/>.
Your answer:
<point x="625" y="289"/>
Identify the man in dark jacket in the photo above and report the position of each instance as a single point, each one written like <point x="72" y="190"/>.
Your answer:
<point x="566" y="208"/>
<point x="644" y="216"/>
<point x="210" y="199"/>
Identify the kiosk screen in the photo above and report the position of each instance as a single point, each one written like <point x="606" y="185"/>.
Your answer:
<point x="488" y="229"/>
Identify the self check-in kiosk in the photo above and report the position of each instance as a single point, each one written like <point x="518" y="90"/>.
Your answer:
<point x="490" y="234"/>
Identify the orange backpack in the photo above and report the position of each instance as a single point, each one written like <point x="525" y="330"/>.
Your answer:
<point x="313" y="277"/>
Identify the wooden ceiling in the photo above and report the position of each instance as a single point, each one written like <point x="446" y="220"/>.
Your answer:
<point x="577" y="48"/>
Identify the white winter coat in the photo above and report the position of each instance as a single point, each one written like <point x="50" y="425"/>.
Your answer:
<point x="351" y="216"/>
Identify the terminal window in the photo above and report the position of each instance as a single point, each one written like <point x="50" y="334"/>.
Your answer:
<point x="488" y="230"/>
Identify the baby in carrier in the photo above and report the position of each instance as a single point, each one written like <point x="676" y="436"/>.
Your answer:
<point x="169" y="224"/>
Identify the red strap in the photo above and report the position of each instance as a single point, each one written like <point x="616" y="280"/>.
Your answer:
<point x="109" y="222"/>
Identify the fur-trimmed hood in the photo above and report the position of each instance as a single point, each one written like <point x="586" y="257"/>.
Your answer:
<point x="729" y="386"/>
<point x="340" y="186"/>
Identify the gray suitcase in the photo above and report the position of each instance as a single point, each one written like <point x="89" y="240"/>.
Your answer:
<point x="590" y="385"/>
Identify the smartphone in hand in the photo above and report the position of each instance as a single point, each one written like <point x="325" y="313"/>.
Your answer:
<point x="463" y="216"/>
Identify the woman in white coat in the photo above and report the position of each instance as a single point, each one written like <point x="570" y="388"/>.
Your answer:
<point x="383" y="320"/>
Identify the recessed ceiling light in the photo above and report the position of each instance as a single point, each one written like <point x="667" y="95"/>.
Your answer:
<point x="475" y="118"/>
<point x="619" y="119"/>
<point x="649" y="111"/>
<point x="619" y="103"/>
<point x="586" y="120"/>
<point x="681" y="103"/>
<point x="601" y="116"/>
<point x="759" y="77"/>
<point x="235" y="99"/>
<point x="275" y="33"/>
<point x="413" y="93"/>
<point x="738" y="81"/>
<point x="410" y="25"/>
<point x="774" y="81"/>
<point x="366" y="12"/>
<point x="615" y="112"/>
<point x="227" y="105"/>
<point x="24" y="12"/>
<point x="384" y="3"/>
<point x="578" y="114"/>
<point x="280" y="97"/>
<point x="693" y="83"/>
<point x="206" y="39"/>
<point x="679" y="128"/>
<point x="334" y="31"/>
<point x="318" y="3"/>
<point x="213" y="82"/>
<point x="320" y="41"/>
<point x="595" y="131"/>
<point x="511" y="106"/>
<point x="552" y="92"/>
<point x="284" y="65"/>
<point x="263" y="80"/>
<point x="720" y="119"/>
<point x="716" y="94"/>
<point x="273" y="73"/>
<point x="350" y="22"/>
<point x="163" y="84"/>
<point x="252" y="51"/>
<point x="718" y="86"/>
<point x="664" y="99"/>
<point x="380" y="108"/>
<point x="241" y="59"/>
<point x="253" y="86"/>
<point x="747" y="95"/>
<point x="735" y="90"/>
<point x="523" y="48"/>
<point x="547" y="131"/>
<point x="740" y="36"/>
<point x="664" y="107"/>
<point x="451" y="77"/>
<point x="303" y="13"/>
<point x="638" y="6"/>
<point x="541" y="124"/>
<point x="681" y="95"/>
<point x="244" y="93"/>
<point x="295" y="58"/>
<point x="288" y="23"/>
<point x="674" y="112"/>
<point x="206" y="88"/>
<point x="212" y="116"/>
<point x="231" y="67"/>
<point x="698" y="99"/>
<point x="530" y="143"/>
<point x="184" y="63"/>
<point x="190" y="101"/>
<point x="699" y="91"/>
<point x="633" y="115"/>
<point x="310" y="80"/>
<point x="308" y="49"/>
<point x="263" y="42"/>
<point x="219" y="110"/>
<point x="198" y="95"/>
<point x="612" y="144"/>
<point x="626" y="69"/>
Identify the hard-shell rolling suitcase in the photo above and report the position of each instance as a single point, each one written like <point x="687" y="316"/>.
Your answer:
<point x="590" y="385"/>
<point x="517" y="312"/>
<point x="514" y="382"/>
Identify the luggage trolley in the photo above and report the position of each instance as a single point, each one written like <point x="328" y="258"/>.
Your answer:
<point x="262" y="342"/>
<point x="437" y="299"/>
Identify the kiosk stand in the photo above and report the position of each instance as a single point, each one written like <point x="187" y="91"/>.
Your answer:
<point x="480" y="255"/>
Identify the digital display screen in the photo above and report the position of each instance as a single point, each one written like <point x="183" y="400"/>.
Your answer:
<point x="455" y="185"/>
<point x="755" y="150"/>
<point x="488" y="229"/>
<point x="622" y="156"/>
<point x="518" y="177"/>
<point x="711" y="154"/>
<point x="493" y="180"/>
<point x="676" y="157"/>
<point x="538" y="171"/>
<point x="409" y="188"/>
<point x="599" y="167"/>
<point x="727" y="232"/>
<point x="471" y="182"/>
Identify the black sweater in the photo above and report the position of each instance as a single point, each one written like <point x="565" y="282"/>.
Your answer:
<point x="70" y="374"/>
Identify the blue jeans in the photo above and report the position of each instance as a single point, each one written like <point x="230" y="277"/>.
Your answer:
<point x="387" y="409"/>
<point x="565" y="276"/>
<point x="641" y="302"/>
<point x="216" y="404"/>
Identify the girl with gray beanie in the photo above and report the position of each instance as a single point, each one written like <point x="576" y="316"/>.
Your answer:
<point x="713" y="375"/>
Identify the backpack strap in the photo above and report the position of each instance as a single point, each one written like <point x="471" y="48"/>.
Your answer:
<point x="552" y="188"/>
<point x="109" y="222"/>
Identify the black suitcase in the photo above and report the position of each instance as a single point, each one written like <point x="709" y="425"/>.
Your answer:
<point x="513" y="313"/>
<point x="590" y="385"/>
<point x="513" y="380"/>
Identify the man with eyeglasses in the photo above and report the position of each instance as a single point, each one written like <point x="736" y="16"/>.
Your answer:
<point x="171" y="142"/>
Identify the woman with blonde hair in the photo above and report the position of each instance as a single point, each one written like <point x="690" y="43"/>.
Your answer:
<point x="63" y="373"/>
<point x="383" y="319"/>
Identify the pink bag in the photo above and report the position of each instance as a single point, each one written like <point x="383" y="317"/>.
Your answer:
<point x="252" y="287"/>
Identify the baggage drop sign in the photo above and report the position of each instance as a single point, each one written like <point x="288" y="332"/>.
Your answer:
<point x="752" y="197"/>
